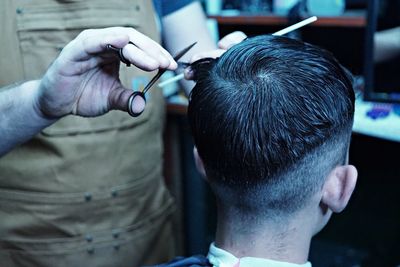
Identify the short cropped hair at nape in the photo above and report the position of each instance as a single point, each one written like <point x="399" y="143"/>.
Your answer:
<point x="270" y="119"/>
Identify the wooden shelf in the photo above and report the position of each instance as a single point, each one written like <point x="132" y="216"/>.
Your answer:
<point x="348" y="19"/>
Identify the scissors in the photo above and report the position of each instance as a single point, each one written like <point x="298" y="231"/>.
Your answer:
<point x="142" y="93"/>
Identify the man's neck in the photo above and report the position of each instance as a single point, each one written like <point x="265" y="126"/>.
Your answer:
<point x="270" y="240"/>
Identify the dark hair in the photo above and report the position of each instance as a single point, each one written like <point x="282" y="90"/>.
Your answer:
<point x="270" y="119"/>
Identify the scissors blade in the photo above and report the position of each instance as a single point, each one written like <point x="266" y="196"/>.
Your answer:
<point x="183" y="52"/>
<point x="161" y="72"/>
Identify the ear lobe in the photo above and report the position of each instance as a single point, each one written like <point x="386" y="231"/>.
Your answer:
<point x="199" y="162"/>
<point x="339" y="187"/>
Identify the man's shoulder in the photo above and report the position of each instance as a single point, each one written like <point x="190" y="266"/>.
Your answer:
<point x="193" y="261"/>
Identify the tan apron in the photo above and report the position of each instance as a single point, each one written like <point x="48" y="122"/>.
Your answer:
<point x="83" y="192"/>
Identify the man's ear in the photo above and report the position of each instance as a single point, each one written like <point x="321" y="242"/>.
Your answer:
<point x="339" y="187"/>
<point x="199" y="162"/>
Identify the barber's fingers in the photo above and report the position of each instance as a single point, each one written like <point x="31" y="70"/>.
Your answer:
<point x="209" y="54"/>
<point x="231" y="39"/>
<point x="147" y="54"/>
<point x="152" y="48"/>
<point x="144" y="60"/>
<point x="188" y="73"/>
<point x="224" y="44"/>
<point x="91" y="42"/>
<point x="119" y="98"/>
<point x="83" y="66"/>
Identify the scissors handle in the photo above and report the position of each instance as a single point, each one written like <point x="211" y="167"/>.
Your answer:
<point x="118" y="51"/>
<point x="131" y="98"/>
<point x="152" y="82"/>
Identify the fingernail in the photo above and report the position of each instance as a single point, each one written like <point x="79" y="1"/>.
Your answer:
<point x="173" y="65"/>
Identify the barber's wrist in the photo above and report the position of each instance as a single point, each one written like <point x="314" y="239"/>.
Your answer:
<point x="32" y="96"/>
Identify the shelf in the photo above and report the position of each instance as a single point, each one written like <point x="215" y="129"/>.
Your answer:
<point x="386" y="128"/>
<point x="348" y="19"/>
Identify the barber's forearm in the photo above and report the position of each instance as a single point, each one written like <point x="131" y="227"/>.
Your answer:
<point x="20" y="116"/>
<point x="185" y="26"/>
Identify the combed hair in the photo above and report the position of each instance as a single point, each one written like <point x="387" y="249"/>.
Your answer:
<point x="270" y="119"/>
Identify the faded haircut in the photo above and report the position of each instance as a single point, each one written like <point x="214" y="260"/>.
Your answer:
<point x="270" y="119"/>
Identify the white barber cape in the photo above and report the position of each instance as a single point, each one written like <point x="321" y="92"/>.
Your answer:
<point x="221" y="258"/>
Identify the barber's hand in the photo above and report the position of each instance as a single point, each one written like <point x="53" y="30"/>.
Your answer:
<point x="224" y="44"/>
<point x="84" y="79"/>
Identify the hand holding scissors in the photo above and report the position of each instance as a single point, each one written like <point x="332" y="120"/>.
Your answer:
<point x="84" y="79"/>
<point x="139" y="96"/>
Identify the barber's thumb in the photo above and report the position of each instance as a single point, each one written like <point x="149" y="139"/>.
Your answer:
<point x="137" y="105"/>
<point x="119" y="100"/>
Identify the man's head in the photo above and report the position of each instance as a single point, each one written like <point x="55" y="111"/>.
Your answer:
<point x="271" y="120"/>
